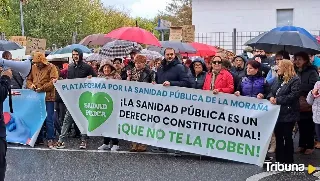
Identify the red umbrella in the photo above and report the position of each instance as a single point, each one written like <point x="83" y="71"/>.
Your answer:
<point x="134" y="34"/>
<point x="95" y="39"/>
<point x="203" y="49"/>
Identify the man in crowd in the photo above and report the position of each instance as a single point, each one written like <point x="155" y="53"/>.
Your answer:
<point x="171" y="73"/>
<point x="40" y="80"/>
<point x="16" y="80"/>
<point x="266" y="62"/>
<point x="4" y="88"/>
<point x="77" y="69"/>
<point x="130" y="65"/>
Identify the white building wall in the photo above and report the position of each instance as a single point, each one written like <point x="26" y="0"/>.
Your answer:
<point x="248" y="16"/>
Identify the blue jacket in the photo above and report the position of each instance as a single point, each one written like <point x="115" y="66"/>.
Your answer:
<point x="174" y="72"/>
<point x="251" y="86"/>
<point x="316" y="61"/>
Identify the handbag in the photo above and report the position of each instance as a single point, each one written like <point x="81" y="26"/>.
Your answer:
<point x="304" y="106"/>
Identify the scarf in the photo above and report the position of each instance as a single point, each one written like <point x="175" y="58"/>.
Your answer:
<point x="213" y="79"/>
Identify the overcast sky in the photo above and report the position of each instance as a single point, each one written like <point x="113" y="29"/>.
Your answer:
<point x="139" y="8"/>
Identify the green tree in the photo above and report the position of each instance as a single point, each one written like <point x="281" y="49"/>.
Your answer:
<point x="178" y="12"/>
<point x="5" y="8"/>
<point x="57" y="20"/>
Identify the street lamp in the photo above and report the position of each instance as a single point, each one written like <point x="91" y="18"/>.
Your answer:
<point x="75" y="34"/>
<point x="21" y="17"/>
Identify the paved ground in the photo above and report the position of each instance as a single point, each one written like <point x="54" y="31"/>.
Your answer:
<point x="42" y="164"/>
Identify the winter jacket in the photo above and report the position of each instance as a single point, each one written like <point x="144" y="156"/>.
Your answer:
<point x="287" y="96"/>
<point x="315" y="102"/>
<point x="251" y="86"/>
<point x="4" y="89"/>
<point x="42" y="79"/>
<point x="129" y="67"/>
<point x="224" y="82"/>
<point x="174" y="72"/>
<point x="80" y="69"/>
<point x="316" y="61"/>
<point x="197" y="81"/>
<point x="146" y="75"/>
<point x="272" y="75"/>
<point x="308" y="76"/>
<point x="240" y="72"/>
<point x="16" y="80"/>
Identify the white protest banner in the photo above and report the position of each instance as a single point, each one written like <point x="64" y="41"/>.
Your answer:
<point x="195" y="121"/>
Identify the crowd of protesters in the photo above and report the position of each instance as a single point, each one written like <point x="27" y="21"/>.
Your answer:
<point x="286" y="80"/>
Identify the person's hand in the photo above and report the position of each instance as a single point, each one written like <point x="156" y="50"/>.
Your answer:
<point x="166" y="83"/>
<point x="237" y="93"/>
<point x="54" y="80"/>
<point x="7" y="72"/>
<point x="215" y="91"/>
<point x="33" y="87"/>
<point x="273" y="100"/>
<point x="260" y="96"/>
<point x="17" y="131"/>
<point x="38" y="90"/>
<point x="153" y="82"/>
<point x="128" y="73"/>
<point x="89" y="77"/>
<point x="258" y="59"/>
<point x="315" y="91"/>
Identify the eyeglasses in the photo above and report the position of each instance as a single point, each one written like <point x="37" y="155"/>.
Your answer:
<point x="278" y="59"/>
<point x="216" y="62"/>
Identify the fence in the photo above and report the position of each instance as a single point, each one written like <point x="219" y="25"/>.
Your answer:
<point x="234" y="40"/>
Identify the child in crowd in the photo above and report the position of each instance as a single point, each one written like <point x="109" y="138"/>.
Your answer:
<point x="314" y="100"/>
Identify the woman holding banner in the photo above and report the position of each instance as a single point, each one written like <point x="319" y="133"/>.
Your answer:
<point x="285" y="92"/>
<point x="140" y="73"/>
<point x="218" y="79"/>
<point x="108" y="71"/>
<point x="253" y="84"/>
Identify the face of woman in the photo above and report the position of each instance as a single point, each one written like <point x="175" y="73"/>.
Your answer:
<point x="216" y="64"/>
<point x="139" y="65"/>
<point x="107" y="70"/>
<point x="238" y="62"/>
<point x="157" y="64"/>
<point x="117" y="64"/>
<point x="197" y="67"/>
<point x="251" y="70"/>
<point x="299" y="62"/>
<point x="278" y="59"/>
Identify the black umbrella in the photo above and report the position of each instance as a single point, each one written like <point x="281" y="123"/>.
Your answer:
<point x="290" y="41"/>
<point x="9" y="45"/>
<point x="179" y="47"/>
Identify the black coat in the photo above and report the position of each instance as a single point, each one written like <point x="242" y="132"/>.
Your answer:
<point x="4" y="88"/>
<point x="239" y="72"/>
<point x="308" y="76"/>
<point x="147" y="75"/>
<point x="80" y="70"/>
<point x="123" y="74"/>
<point x="16" y="80"/>
<point x="288" y="99"/>
<point x="198" y="80"/>
<point x="174" y="72"/>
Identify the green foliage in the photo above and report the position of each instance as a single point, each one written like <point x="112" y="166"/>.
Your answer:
<point x="57" y="20"/>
